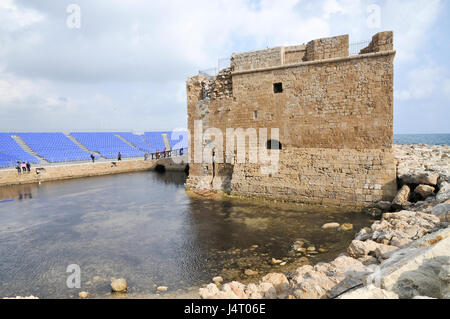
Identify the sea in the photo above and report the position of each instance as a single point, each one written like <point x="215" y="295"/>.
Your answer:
<point x="429" y="139"/>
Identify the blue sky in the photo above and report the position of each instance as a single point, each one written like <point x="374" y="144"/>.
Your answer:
<point x="125" y="67"/>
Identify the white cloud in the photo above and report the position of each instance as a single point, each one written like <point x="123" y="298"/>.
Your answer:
<point x="422" y="83"/>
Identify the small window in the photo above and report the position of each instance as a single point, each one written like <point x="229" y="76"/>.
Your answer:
<point x="255" y="115"/>
<point x="278" y="87"/>
<point x="273" y="145"/>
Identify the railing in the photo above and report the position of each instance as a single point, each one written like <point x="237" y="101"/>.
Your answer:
<point x="222" y="63"/>
<point x="153" y="156"/>
<point x="167" y="154"/>
<point x="355" y="47"/>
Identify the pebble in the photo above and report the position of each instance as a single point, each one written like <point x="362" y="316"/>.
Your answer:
<point x="249" y="272"/>
<point x="276" y="261"/>
<point x="83" y="294"/>
<point x="162" y="288"/>
<point x="119" y="285"/>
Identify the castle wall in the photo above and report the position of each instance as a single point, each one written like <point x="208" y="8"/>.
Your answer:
<point x="335" y="120"/>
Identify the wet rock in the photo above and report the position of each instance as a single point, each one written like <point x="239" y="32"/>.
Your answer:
<point x="323" y="250"/>
<point x="250" y="272"/>
<point x="276" y="261"/>
<point x="364" y="234"/>
<point x="402" y="197"/>
<point x="119" y="285"/>
<point x="83" y="294"/>
<point x="311" y="249"/>
<point x="374" y="212"/>
<point x="162" y="288"/>
<point x="278" y="280"/>
<point x="346" y="227"/>
<point x="424" y="191"/>
<point x="428" y="178"/>
<point x="385" y="206"/>
<point x="330" y="226"/>
<point x="442" y="211"/>
<point x="298" y="244"/>
<point x="369" y="292"/>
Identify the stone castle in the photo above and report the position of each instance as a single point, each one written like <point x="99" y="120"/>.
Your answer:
<point x="334" y="113"/>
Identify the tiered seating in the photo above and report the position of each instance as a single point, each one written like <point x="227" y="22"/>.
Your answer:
<point x="11" y="152"/>
<point x="178" y="139"/>
<point x="155" y="140"/>
<point x="107" y="144"/>
<point x="54" y="147"/>
<point x="136" y="140"/>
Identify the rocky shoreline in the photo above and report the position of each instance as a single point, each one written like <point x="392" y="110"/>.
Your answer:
<point x="405" y="254"/>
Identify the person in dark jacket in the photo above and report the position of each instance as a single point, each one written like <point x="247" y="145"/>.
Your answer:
<point x="92" y="158"/>
<point x="119" y="157"/>
<point x="19" y="171"/>
<point x="28" y="167"/>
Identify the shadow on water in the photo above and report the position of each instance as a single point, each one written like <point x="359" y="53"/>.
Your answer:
<point x="143" y="226"/>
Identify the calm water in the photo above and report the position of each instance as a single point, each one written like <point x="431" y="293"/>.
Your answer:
<point x="430" y="139"/>
<point x="143" y="227"/>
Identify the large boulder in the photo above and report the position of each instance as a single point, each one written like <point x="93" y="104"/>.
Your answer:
<point x="428" y="178"/>
<point x="360" y="249"/>
<point x="402" y="197"/>
<point x="442" y="211"/>
<point x="424" y="191"/>
<point x="279" y="281"/>
<point x="415" y="270"/>
<point x="444" y="192"/>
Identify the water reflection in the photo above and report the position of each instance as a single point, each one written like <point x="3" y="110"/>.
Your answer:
<point x="19" y="192"/>
<point x="143" y="226"/>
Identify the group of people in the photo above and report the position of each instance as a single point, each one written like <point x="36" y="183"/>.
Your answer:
<point x="23" y="167"/>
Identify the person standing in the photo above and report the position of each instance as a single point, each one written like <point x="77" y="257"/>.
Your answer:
<point x="165" y="152"/>
<point x="28" y="166"/>
<point x="119" y="157"/>
<point x="19" y="171"/>
<point x="24" y="167"/>
<point x="146" y="155"/>
<point x="92" y="158"/>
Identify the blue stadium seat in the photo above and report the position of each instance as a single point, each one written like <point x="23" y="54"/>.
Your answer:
<point x="11" y="152"/>
<point x="136" y="140"/>
<point x="107" y="144"/>
<point x="54" y="147"/>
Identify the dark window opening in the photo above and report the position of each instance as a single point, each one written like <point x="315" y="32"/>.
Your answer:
<point x="278" y="87"/>
<point x="273" y="145"/>
<point x="255" y="115"/>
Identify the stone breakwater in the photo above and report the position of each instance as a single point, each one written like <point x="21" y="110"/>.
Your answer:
<point x="404" y="254"/>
